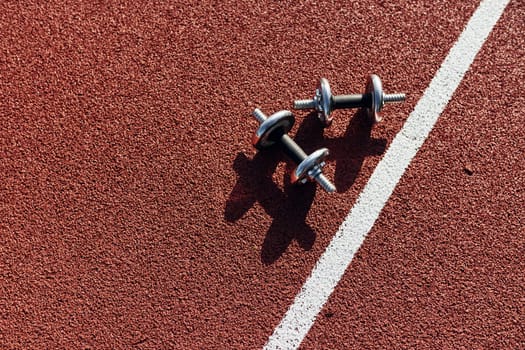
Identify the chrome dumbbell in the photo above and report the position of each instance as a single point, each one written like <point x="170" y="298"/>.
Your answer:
<point x="372" y="100"/>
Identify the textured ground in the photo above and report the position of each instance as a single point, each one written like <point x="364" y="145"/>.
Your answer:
<point x="134" y="212"/>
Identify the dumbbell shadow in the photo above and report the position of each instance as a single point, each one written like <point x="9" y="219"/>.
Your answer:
<point x="353" y="147"/>
<point x="254" y="184"/>
<point x="289" y="207"/>
<point x="289" y="223"/>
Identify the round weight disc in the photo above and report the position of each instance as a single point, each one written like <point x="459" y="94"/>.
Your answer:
<point x="325" y="102"/>
<point x="311" y="162"/>
<point x="281" y="122"/>
<point x="375" y="89"/>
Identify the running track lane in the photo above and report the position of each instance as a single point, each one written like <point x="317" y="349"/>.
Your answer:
<point x="135" y="212"/>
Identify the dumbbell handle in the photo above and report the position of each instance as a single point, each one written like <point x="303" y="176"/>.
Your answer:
<point x="292" y="149"/>
<point x="351" y="101"/>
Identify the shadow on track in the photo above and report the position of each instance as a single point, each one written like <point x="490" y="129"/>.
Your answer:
<point x="350" y="150"/>
<point x="289" y="207"/>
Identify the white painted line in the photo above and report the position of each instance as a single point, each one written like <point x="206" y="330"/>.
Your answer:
<point x="331" y="266"/>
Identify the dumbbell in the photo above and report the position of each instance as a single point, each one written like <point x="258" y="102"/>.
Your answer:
<point x="372" y="100"/>
<point x="274" y="130"/>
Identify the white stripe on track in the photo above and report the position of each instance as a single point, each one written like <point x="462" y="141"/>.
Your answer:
<point x="331" y="266"/>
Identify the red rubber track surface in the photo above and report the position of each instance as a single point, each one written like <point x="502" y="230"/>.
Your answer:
<point x="134" y="213"/>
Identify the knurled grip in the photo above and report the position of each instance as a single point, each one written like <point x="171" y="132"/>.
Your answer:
<point x="351" y="101"/>
<point x="292" y="149"/>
